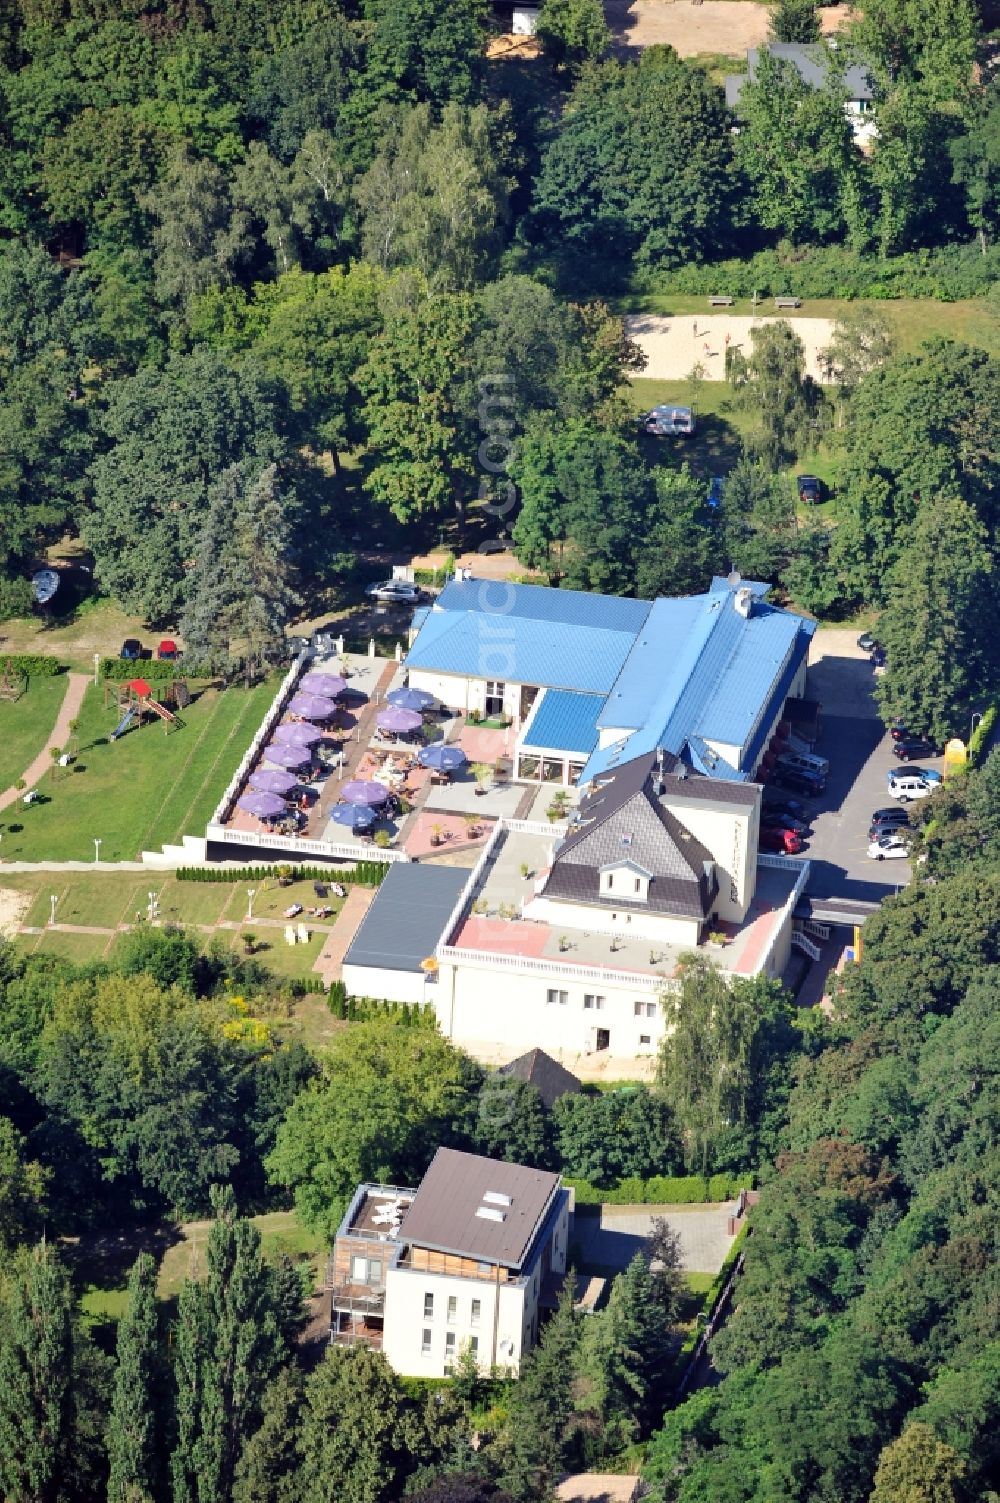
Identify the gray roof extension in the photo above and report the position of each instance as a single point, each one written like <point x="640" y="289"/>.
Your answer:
<point x="812" y="61"/>
<point x="407" y="917"/>
<point x="443" y="1216"/>
<point x="624" y="822"/>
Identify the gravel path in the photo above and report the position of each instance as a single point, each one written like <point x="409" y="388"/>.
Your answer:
<point x="70" y="709"/>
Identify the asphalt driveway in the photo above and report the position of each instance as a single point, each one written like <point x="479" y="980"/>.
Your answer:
<point x="859" y="750"/>
<point x="607" y="1244"/>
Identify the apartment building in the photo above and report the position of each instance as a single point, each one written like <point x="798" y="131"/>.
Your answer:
<point x="469" y="1260"/>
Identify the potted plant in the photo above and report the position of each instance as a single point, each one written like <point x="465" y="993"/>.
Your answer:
<point x="383" y="839"/>
<point x="564" y="942"/>
<point x="437" y="834"/>
<point x="480" y="906"/>
<point x="471" y="822"/>
<point x="525" y="870"/>
<point x="482" y="772"/>
<point x="717" y="939"/>
<point x="284" y="876"/>
<point x="475" y="717"/>
<point x="249" y="943"/>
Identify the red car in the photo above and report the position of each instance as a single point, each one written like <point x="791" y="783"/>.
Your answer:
<point x="779" y="838"/>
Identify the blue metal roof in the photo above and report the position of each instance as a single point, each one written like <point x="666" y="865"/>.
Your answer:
<point x="496" y="597"/>
<point x="489" y="630"/>
<point x="653" y="661"/>
<point x="755" y="661"/>
<point x="564" y="721"/>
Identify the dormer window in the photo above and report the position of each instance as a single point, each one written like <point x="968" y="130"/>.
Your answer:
<point x="626" y="879"/>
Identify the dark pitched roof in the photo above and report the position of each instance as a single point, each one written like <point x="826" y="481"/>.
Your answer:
<point x="813" y="63"/>
<point x="624" y="822"/>
<point x="407" y="916"/>
<point x="538" y="1069"/>
<point x="444" y="1214"/>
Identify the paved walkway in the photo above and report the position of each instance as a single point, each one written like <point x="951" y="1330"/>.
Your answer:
<point x="69" y="710"/>
<point x="330" y="959"/>
<point x="613" y="1241"/>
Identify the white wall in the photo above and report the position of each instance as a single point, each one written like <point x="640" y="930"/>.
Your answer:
<point x="447" y="687"/>
<point x="726" y="831"/>
<point x="389" y="985"/>
<point x="503" y="1011"/>
<point x="502" y="1304"/>
<point x="634" y="924"/>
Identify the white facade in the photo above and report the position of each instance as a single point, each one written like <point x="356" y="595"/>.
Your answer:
<point x="388" y="985"/>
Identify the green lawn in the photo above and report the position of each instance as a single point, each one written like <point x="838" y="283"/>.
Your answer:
<point x="142" y="791"/>
<point x="79" y="948"/>
<point x="26" y="724"/>
<point x="719" y="428"/>
<point x="281" y="1233"/>
<point x="973" y="320"/>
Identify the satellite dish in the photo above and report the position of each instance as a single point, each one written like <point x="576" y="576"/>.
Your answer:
<point x="44" y="585"/>
<point x="733" y="578"/>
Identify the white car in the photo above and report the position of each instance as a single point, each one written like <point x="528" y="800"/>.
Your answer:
<point x="399" y="590"/>
<point x="888" y="848"/>
<point x="905" y="786"/>
<point x="929" y="774"/>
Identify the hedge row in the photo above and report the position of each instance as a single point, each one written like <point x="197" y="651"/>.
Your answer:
<point x="365" y="874"/>
<point x="709" y="1301"/>
<point x="663" y="1189"/>
<point x="356" y="1009"/>
<point x="34" y="664"/>
<point x="120" y="670"/>
<point x="946" y="273"/>
<point x="982" y="735"/>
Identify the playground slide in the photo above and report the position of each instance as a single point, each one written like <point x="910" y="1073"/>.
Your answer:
<point x="160" y="710"/>
<point x="123" y="724"/>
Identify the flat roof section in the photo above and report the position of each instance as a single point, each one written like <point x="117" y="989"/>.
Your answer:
<point x="407" y="917"/>
<point x="445" y="1215"/>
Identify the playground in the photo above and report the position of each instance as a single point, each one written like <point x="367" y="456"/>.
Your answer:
<point x="159" y="779"/>
<point x="134" y="703"/>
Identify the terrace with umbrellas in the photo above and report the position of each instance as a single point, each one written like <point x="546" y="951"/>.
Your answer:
<point x="359" y="761"/>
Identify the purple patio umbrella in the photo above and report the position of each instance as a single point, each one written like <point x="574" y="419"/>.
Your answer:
<point x="361" y="792"/>
<point x="327" y="684"/>
<point x="298" y="735"/>
<point x="443" y="758"/>
<point x="270" y="780"/>
<point x="354" y="816"/>
<point x="312" y="706"/>
<point x="399" y="721"/>
<point x="264" y="805"/>
<point x="411" y="699"/>
<point x="291" y="757"/>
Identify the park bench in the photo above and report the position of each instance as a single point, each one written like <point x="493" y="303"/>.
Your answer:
<point x="788" y="302"/>
<point x="720" y="301"/>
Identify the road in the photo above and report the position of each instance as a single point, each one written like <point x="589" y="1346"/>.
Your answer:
<point x="859" y="751"/>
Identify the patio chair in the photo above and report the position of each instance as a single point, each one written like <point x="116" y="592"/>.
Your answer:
<point x="302" y="934"/>
<point x="289" y="934"/>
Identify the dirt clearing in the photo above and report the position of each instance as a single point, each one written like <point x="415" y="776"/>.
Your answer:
<point x="728" y="27"/>
<point x="674" y="345"/>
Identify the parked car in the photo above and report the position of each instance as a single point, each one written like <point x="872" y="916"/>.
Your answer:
<point x="867" y="642"/>
<point x="668" y="421"/>
<point x="885" y="821"/>
<point x="776" y="803"/>
<point x="495" y="545"/>
<point x="131" y="649"/>
<point x="714" y="498"/>
<point x="778" y="838"/>
<point x="898" y="731"/>
<point x="810" y="489"/>
<point x="909" y="748"/>
<point x="929" y="774"/>
<point x="394" y="590"/>
<point x="889" y="848"/>
<point x="804" y="762"/>
<point x="770" y="820"/>
<point x="907" y="787"/>
<point x="168" y="651"/>
<point x="809" y="783"/>
<point x="878" y="658"/>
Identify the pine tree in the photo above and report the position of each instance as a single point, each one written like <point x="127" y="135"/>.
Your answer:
<point x="130" y="1435"/>
<point x="625" y="1354"/>
<point x="270" y="1467"/>
<point x="229" y="1346"/>
<point x="539" y="1428"/>
<point x="36" y="1373"/>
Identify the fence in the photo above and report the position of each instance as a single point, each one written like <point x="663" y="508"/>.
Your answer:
<point x="295" y="845"/>
<point x="225" y="805"/>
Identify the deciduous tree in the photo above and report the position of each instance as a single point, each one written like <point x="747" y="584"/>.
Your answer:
<point x="131" y="1431"/>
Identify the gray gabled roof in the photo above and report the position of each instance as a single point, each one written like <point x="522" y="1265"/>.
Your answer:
<point x="812" y="61"/>
<point x="445" y="1213"/>
<point x="547" y="1075"/>
<point x="623" y="821"/>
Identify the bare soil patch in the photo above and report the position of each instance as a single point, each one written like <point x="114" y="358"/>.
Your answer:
<point x="728" y="27"/>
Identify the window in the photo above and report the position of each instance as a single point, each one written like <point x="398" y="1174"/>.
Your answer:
<point x="449" y="1348"/>
<point x="425" y="1342"/>
<point x="638" y="884"/>
<point x="645" y="1009"/>
<point x="610" y="881"/>
<point x="592" y="1003"/>
<point x="644" y="1038"/>
<point x="556" y="998"/>
<point x="494" y="698"/>
<point x="474" y="1346"/>
<point x="452" y="1309"/>
<point x="477" y="1310"/>
<point x="428" y="1307"/>
<point x="366" y="1270"/>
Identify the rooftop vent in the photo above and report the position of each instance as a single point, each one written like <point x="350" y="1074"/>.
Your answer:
<point x="627" y="838"/>
<point x="487" y="1213"/>
<point x="497" y="1198"/>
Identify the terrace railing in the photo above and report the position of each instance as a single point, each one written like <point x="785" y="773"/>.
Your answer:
<point x="327" y="850"/>
<point x="276" y="709"/>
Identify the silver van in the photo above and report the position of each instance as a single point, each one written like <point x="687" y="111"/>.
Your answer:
<point x="818" y="767"/>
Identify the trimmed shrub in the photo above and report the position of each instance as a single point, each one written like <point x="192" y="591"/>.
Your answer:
<point x="120" y="670"/>
<point x="662" y="1189"/>
<point x="980" y="738"/>
<point x="34" y="664"/>
<point x="364" y="874"/>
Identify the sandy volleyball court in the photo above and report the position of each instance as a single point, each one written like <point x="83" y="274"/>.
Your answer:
<point x="674" y="343"/>
<point x="726" y="27"/>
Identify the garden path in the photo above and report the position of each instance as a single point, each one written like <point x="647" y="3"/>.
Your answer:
<point x="69" y="710"/>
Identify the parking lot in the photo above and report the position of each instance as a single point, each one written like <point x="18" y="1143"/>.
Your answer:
<point x="859" y="750"/>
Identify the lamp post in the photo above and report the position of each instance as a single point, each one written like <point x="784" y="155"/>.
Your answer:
<point x="153" y="908"/>
<point x="97" y="849"/>
<point x="251" y="894"/>
<point x="53" y="900"/>
<point x="977" y="716"/>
